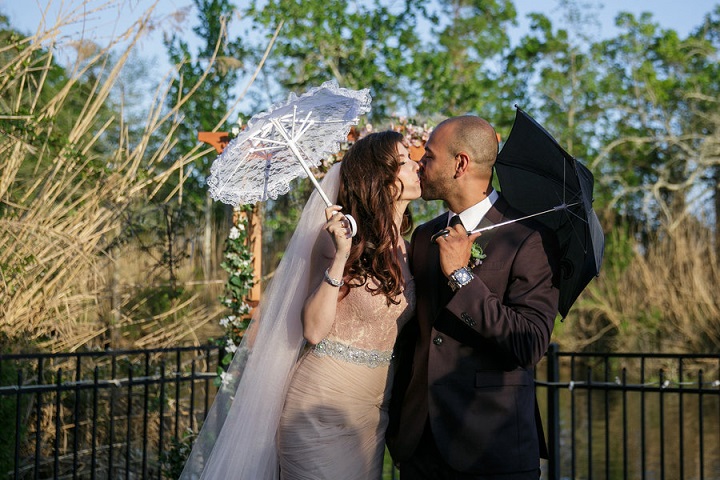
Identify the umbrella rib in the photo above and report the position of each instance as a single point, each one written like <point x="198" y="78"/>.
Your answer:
<point x="564" y="180"/>
<point x="293" y="146"/>
<point x="265" y="129"/>
<point x="576" y="197"/>
<point x="264" y="139"/>
<point x="331" y="121"/>
<point x="302" y="124"/>
<point x="572" y="225"/>
<point x="280" y="143"/>
<point x="306" y="124"/>
<point x="579" y="217"/>
<point x="577" y="237"/>
<point x="279" y="146"/>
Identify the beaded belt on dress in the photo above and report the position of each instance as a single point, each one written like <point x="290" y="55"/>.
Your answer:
<point x="369" y="358"/>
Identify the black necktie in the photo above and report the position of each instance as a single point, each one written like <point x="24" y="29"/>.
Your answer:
<point x="456" y="220"/>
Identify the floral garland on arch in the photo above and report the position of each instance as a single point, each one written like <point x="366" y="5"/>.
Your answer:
<point x="415" y="135"/>
<point x="238" y="262"/>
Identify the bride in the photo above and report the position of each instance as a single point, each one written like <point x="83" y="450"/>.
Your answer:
<point x="306" y="395"/>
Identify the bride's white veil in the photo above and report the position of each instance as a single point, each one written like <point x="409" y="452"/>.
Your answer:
<point x="237" y="439"/>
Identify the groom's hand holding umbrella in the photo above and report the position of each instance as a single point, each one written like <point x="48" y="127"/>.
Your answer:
<point x="455" y="248"/>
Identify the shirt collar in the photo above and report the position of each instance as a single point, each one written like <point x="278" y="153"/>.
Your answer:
<point x="471" y="216"/>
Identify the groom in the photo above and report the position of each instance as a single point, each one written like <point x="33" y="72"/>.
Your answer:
<point x="483" y="323"/>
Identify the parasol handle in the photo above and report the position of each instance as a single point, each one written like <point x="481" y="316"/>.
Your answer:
<point x="296" y="151"/>
<point x="445" y="232"/>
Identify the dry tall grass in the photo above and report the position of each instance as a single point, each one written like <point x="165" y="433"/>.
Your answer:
<point x="660" y="298"/>
<point x="62" y="203"/>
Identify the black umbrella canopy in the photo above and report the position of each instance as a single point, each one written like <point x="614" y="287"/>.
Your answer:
<point x="536" y="174"/>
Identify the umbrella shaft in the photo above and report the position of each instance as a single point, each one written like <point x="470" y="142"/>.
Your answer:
<point x="554" y="209"/>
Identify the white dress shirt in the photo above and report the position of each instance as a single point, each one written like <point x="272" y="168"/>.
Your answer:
<point x="471" y="216"/>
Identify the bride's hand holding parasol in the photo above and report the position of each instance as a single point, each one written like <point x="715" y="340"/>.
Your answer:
<point x="340" y="229"/>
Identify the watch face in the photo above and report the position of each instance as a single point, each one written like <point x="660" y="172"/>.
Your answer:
<point x="462" y="276"/>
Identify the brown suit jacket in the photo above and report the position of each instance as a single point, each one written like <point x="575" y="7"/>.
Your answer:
<point x="470" y="370"/>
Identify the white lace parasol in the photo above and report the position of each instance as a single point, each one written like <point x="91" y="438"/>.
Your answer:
<point x="282" y="144"/>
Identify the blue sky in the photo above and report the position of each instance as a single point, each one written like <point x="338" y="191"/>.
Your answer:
<point x="679" y="15"/>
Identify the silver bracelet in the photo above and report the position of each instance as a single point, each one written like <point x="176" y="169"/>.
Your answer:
<point x="332" y="281"/>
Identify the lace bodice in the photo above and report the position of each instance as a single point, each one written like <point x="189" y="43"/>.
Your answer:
<point x="365" y="321"/>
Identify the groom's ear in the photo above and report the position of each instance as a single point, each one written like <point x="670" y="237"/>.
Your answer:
<point x="462" y="162"/>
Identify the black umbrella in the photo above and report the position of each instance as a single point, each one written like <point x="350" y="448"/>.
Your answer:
<point x="539" y="178"/>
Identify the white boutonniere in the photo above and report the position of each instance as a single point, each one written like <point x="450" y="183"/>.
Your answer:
<point x="476" y="255"/>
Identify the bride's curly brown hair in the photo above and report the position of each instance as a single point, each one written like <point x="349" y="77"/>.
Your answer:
<point x="368" y="192"/>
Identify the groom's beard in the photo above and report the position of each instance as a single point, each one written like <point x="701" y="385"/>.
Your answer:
<point x="432" y="191"/>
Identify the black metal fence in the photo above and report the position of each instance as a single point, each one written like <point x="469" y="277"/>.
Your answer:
<point x="631" y="416"/>
<point x="115" y="415"/>
<point x="125" y="414"/>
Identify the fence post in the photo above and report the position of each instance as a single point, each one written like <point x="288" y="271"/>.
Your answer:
<point x="553" y="413"/>
<point x="18" y="423"/>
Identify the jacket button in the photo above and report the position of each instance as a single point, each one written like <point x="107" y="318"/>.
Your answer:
<point x="437" y="340"/>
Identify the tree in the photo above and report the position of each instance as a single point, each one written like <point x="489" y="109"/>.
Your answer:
<point x="557" y="76"/>
<point x="458" y="66"/>
<point x="703" y="96"/>
<point x="654" y="88"/>
<point x="332" y="39"/>
<point x="69" y="173"/>
<point x="210" y="76"/>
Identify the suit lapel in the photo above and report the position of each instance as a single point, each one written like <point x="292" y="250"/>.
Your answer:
<point x="444" y="293"/>
<point x="493" y="216"/>
<point x="435" y="288"/>
<point x="485" y="238"/>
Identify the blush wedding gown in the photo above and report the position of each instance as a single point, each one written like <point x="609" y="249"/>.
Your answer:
<point x="336" y="410"/>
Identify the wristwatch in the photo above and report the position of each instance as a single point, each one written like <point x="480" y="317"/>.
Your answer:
<point x="460" y="278"/>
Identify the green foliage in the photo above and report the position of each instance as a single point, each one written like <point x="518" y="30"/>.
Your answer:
<point x="454" y="67"/>
<point x="619" y="246"/>
<point x="324" y="39"/>
<point x="238" y="263"/>
<point x="152" y="300"/>
<point x="8" y="410"/>
<point x="7" y="420"/>
<point x="649" y="103"/>
<point x="173" y="460"/>
<point x="34" y="111"/>
<point x="212" y="95"/>
<point x="12" y="273"/>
